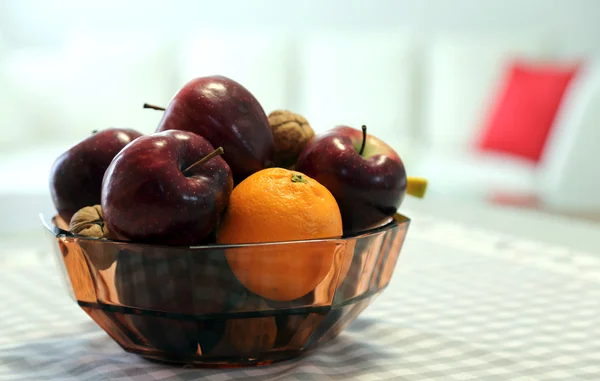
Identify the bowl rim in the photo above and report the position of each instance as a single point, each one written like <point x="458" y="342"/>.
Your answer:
<point x="396" y="220"/>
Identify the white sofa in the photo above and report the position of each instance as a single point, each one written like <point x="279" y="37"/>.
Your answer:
<point x="426" y="98"/>
<point x="569" y="177"/>
<point x="464" y="75"/>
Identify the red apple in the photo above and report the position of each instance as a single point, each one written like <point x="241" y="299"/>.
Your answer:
<point x="158" y="190"/>
<point x="364" y="174"/>
<point x="76" y="176"/>
<point x="227" y="115"/>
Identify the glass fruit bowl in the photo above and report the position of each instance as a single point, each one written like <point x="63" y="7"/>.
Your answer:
<point x="222" y="306"/>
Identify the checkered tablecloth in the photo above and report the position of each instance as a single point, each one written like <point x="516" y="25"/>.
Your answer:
<point x="464" y="303"/>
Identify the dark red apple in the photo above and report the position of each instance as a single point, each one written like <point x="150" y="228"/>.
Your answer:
<point x="76" y="176"/>
<point x="227" y="115"/>
<point x="158" y="190"/>
<point x="364" y="174"/>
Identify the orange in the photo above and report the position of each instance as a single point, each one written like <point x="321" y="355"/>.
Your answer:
<point x="275" y="205"/>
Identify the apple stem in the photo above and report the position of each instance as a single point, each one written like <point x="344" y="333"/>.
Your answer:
<point x="153" y="107"/>
<point x="364" y="140"/>
<point x="217" y="152"/>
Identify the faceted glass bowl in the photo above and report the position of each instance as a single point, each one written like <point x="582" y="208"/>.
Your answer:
<point x="218" y="305"/>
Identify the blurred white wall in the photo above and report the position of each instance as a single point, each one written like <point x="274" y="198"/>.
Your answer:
<point x="41" y="22"/>
<point x="408" y="68"/>
<point x="76" y="56"/>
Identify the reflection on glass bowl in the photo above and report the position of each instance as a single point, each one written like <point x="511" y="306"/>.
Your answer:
<point x="209" y="306"/>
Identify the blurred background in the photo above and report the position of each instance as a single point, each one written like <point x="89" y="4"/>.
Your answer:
<point x="494" y="102"/>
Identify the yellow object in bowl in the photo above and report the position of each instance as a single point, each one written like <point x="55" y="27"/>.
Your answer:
<point x="416" y="186"/>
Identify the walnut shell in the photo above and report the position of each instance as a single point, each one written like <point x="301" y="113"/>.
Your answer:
<point x="88" y="222"/>
<point x="251" y="336"/>
<point x="248" y="336"/>
<point x="291" y="133"/>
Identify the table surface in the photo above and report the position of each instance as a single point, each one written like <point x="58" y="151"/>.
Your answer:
<point x="477" y="294"/>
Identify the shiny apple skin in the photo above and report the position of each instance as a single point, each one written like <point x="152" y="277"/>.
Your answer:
<point x="368" y="189"/>
<point x="146" y="197"/>
<point x="227" y="115"/>
<point x="76" y="175"/>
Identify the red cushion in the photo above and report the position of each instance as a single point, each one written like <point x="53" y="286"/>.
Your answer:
<point x="524" y="112"/>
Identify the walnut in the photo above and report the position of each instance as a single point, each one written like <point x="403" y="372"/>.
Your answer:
<point x="251" y="336"/>
<point x="291" y="133"/>
<point x="88" y="221"/>
<point x="248" y="336"/>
